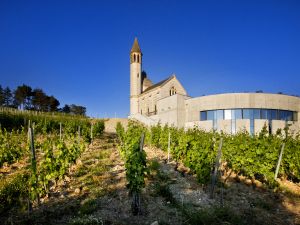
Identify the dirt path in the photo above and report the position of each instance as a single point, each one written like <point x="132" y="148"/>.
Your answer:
<point x="95" y="192"/>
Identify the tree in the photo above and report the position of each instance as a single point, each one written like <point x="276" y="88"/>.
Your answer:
<point x="66" y="109"/>
<point x="40" y="100"/>
<point x="77" y="110"/>
<point x="53" y="104"/>
<point x="23" y="96"/>
<point x="7" y="97"/>
<point x="1" y="96"/>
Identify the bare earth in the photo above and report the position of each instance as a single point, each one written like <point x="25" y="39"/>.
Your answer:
<point x="95" y="193"/>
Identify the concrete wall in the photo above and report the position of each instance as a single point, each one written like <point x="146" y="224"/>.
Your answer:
<point x="240" y="100"/>
<point x="167" y="110"/>
<point x="171" y="110"/>
<point x="193" y="106"/>
<point x="225" y="126"/>
<point x="259" y="124"/>
<point x="242" y="125"/>
<point x="203" y="125"/>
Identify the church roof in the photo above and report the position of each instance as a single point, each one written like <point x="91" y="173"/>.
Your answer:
<point x="135" y="46"/>
<point x="161" y="83"/>
<point x="147" y="82"/>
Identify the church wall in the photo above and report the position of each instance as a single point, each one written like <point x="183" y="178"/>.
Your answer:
<point x="167" y="110"/>
<point x="149" y="100"/>
<point x="165" y="89"/>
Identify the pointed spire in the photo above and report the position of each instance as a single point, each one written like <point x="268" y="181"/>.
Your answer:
<point x="135" y="46"/>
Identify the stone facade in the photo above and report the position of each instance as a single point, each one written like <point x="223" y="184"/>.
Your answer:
<point x="167" y="102"/>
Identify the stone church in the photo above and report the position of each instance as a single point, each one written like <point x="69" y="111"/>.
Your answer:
<point x="167" y="102"/>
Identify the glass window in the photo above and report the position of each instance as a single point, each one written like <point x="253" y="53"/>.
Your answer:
<point x="282" y="115"/>
<point x="210" y="115"/>
<point x="264" y="114"/>
<point x="273" y="114"/>
<point x="246" y="114"/>
<point x="256" y="113"/>
<point x="289" y="115"/>
<point x="220" y="114"/>
<point x="233" y="114"/>
<point x="237" y="114"/>
<point x="227" y="114"/>
<point x="203" y="115"/>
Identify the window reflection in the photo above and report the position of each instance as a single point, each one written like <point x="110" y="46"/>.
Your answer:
<point x="249" y="113"/>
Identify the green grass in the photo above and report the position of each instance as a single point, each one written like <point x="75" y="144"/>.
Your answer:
<point x="212" y="216"/>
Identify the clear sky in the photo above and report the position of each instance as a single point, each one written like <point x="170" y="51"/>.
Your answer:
<point x="78" y="51"/>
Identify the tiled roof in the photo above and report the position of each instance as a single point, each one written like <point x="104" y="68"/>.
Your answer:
<point x="159" y="84"/>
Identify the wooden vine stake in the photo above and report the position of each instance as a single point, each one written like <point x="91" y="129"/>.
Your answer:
<point x="91" y="131"/>
<point x="136" y="201"/>
<point x="169" y="143"/>
<point x="78" y="133"/>
<point x="279" y="161"/>
<point x="216" y="169"/>
<point x="60" y="131"/>
<point x="33" y="166"/>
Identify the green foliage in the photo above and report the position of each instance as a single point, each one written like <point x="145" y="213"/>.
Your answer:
<point x="86" y="220"/>
<point x="252" y="156"/>
<point x="98" y="128"/>
<point x="155" y="135"/>
<point x="88" y="206"/>
<point x="120" y="132"/>
<point x="212" y="215"/>
<point x="11" y="146"/>
<point x="44" y="123"/>
<point x="58" y="156"/>
<point x="135" y="158"/>
<point x="13" y="191"/>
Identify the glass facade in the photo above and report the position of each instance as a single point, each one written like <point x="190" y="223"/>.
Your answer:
<point x="251" y="114"/>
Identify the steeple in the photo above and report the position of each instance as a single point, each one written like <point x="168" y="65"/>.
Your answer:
<point x="135" y="77"/>
<point x="136" y="46"/>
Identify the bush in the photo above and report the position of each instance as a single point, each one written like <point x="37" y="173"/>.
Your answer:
<point x="98" y="128"/>
<point x="13" y="191"/>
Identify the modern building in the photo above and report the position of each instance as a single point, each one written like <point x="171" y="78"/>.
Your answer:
<point x="167" y="102"/>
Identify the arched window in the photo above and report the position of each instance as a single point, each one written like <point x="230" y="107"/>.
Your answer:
<point x="138" y="75"/>
<point x="134" y="58"/>
<point x="138" y="58"/>
<point x="172" y="91"/>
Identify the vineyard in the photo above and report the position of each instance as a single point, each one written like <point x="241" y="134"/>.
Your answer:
<point x="47" y="145"/>
<point x="59" y="169"/>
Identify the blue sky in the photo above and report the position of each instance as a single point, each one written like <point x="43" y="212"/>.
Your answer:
<point x="78" y="51"/>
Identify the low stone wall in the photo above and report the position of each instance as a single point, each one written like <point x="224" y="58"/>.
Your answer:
<point x="110" y="124"/>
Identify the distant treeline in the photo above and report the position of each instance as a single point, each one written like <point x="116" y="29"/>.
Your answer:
<point x="24" y="97"/>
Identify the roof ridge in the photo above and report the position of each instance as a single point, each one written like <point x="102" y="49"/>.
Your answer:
<point x="160" y="83"/>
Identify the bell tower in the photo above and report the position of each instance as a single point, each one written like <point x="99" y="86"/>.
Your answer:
<point x="135" y="77"/>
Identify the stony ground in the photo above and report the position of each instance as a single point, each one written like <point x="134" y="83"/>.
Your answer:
<point x="95" y="192"/>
